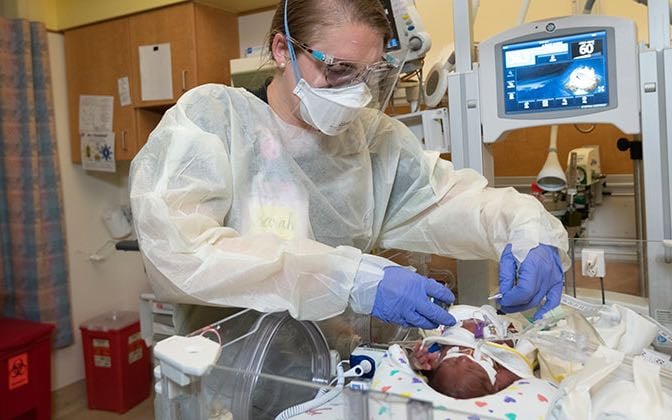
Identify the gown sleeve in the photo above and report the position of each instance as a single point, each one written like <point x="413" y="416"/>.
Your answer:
<point x="437" y="209"/>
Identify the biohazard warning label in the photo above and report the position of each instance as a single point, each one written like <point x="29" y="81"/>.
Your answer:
<point x="18" y="370"/>
<point x="135" y="345"/>
<point x="102" y="354"/>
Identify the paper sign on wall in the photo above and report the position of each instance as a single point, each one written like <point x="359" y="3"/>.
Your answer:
<point x="95" y="132"/>
<point x="124" y="91"/>
<point x="156" y="74"/>
<point x="95" y="112"/>
<point x="98" y="151"/>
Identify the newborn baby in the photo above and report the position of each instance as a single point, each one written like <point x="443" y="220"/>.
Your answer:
<point x="473" y="358"/>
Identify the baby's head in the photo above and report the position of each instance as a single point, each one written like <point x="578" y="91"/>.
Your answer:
<point x="462" y="378"/>
<point x="475" y="359"/>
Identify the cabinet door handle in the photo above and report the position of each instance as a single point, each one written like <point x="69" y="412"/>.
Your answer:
<point x="184" y="80"/>
<point x="123" y="140"/>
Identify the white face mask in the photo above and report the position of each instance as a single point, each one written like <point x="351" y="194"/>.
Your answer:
<point x="331" y="110"/>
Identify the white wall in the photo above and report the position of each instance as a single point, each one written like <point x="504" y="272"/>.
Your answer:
<point x="95" y="287"/>
<point x="253" y="29"/>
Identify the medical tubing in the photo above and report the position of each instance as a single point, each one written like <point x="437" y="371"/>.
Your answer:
<point x="591" y="309"/>
<point x="510" y="350"/>
<point x="320" y="399"/>
<point x="572" y="348"/>
<point x="215" y="332"/>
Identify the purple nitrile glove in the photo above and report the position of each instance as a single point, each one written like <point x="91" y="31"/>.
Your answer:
<point x="403" y="298"/>
<point x="540" y="275"/>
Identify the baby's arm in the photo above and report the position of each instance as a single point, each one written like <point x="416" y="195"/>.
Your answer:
<point x="422" y="359"/>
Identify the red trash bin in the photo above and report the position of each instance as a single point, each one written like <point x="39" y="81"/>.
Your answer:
<point x="116" y="360"/>
<point x="25" y="369"/>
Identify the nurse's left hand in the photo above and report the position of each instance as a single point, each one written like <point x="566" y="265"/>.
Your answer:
<point x="540" y="275"/>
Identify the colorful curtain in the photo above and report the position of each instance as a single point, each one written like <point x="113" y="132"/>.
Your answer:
<point x="33" y="260"/>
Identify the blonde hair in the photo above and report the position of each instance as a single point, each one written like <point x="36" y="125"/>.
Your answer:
<point x="306" y="18"/>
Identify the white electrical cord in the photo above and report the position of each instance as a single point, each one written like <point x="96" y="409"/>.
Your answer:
<point x="324" y="396"/>
<point x="102" y="253"/>
<point x="320" y="399"/>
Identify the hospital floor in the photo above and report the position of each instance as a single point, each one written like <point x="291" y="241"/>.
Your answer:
<point x="69" y="403"/>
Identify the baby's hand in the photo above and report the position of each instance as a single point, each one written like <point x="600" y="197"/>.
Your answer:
<point x="422" y="359"/>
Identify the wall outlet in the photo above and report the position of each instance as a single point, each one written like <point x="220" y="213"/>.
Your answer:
<point x="592" y="262"/>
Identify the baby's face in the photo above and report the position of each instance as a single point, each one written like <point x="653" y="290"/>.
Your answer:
<point x="460" y="377"/>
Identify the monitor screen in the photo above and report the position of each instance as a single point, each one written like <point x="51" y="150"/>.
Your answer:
<point x="394" y="43"/>
<point x="554" y="74"/>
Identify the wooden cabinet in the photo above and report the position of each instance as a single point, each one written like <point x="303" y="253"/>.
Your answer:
<point x="202" y="41"/>
<point x="93" y="67"/>
<point x="174" y="25"/>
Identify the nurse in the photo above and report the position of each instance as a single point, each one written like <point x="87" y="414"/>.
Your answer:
<point x="274" y="202"/>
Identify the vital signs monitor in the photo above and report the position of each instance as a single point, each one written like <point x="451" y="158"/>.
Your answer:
<point x="410" y="42"/>
<point x="578" y="69"/>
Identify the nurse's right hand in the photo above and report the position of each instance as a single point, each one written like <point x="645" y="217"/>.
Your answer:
<point x="403" y="297"/>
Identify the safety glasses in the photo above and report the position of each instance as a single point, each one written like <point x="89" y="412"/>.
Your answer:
<point x="340" y="73"/>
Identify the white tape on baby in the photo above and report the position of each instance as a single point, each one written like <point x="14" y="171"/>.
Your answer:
<point x="483" y="361"/>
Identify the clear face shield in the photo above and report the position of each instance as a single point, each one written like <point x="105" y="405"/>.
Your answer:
<point x="384" y="83"/>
